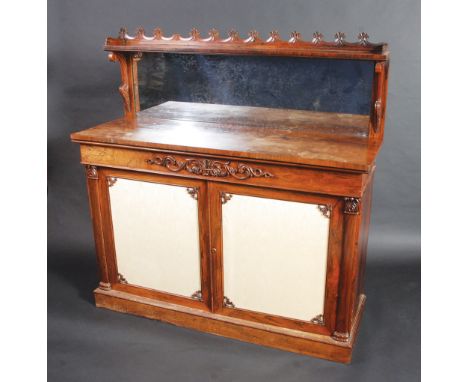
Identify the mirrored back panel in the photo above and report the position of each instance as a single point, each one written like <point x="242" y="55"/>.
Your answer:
<point x="340" y="86"/>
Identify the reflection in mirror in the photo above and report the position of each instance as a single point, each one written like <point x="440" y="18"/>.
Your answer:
<point x="340" y="86"/>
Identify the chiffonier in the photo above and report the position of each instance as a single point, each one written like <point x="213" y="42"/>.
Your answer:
<point x="233" y="197"/>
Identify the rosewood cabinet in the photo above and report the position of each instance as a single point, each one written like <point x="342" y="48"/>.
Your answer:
<point x="232" y="209"/>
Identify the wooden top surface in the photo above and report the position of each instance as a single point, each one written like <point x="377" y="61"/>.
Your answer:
<point x="280" y="135"/>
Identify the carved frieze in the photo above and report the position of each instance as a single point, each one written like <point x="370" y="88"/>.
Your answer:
<point x="209" y="167"/>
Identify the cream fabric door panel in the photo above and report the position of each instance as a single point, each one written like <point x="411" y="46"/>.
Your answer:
<point x="156" y="236"/>
<point x="275" y="256"/>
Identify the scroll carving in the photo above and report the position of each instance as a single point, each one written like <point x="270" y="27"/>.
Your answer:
<point x="91" y="172"/>
<point x="209" y="167"/>
<point x="325" y="210"/>
<point x="318" y="320"/>
<point x="197" y="295"/>
<point x="123" y="90"/>
<point x="121" y="279"/>
<point x="228" y="303"/>
<point x="193" y="192"/>
<point x="352" y="206"/>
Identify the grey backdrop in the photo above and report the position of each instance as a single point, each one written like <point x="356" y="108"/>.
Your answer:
<point x="89" y="344"/>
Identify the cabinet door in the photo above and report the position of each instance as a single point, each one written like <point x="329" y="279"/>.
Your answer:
<point x="275" y="254"/>
<point x="156" y="233"/>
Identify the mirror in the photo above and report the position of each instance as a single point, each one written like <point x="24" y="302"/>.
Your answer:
<point x="341" y="86"/>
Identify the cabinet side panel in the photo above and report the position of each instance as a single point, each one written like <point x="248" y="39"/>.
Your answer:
<point x="364" y="234"/>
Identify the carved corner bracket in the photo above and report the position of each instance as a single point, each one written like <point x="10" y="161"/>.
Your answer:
<point x="91" y="171"/>
<point x="111" y="181"/>
<point x="225" y="197"/>
<point x="193" y="192"/>
<point x="352" y="206"/>
<point x="318" y="320"/>
<point x="209" y="167"/>
<point x="325" y="209"/>
<point x="197" y="295"/>
<point x="121" y="279"/>
<point x="125" y="67"/>
<point x="137" y="56"/>
<point x="228" y="303"/>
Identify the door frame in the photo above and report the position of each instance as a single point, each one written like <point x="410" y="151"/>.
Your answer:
<point x="216" y="193"/>
<point x="199" y="192"/>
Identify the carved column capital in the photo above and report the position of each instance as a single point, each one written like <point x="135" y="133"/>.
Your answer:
<point x="137" y="56"/>
<point x="91" y="171"/>
<point x="352" y="206"/>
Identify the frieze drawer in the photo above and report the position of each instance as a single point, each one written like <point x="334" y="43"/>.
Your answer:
<point x="227" y="170"/>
